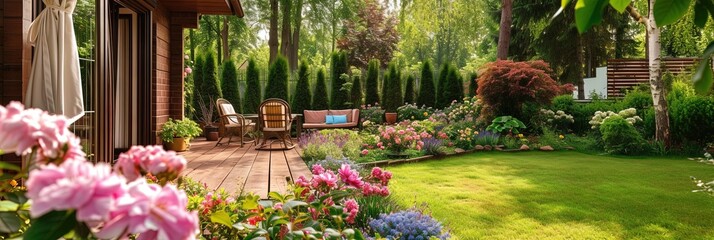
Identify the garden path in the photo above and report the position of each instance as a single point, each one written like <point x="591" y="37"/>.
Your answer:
<point x="245" y="169"/>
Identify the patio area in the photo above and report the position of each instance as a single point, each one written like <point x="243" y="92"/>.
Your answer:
<point x="245" y="169"/>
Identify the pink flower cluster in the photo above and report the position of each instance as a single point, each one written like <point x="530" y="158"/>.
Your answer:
<point x="24" y="130"/>
<point x="379" y="180"/>
<point x="140" y="160"/>
<point x="399" y="139"/>
<point x="212" y="200"/>
<point x="351" y="209"/>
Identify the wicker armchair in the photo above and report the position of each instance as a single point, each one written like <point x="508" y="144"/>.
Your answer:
<point x="275" y="121"/>
<point x="233" y="122"/>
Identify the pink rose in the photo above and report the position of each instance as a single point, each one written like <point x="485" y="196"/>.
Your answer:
<point x="351" y="209"/>
<point x="365" y="151"/>
<point x="349" y="176"/>
<point x="325" y="179"/>
<point x="317" y="169"/>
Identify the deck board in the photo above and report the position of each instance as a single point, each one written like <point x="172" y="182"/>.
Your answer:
<point x="242" y="170"/>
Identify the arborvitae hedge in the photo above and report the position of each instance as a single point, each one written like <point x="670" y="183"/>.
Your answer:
<point x="426" y="89"/>
<point x="278" y="79"/>
<point x="409" y="90"/>
<point x="320" y="100"/>
<point x="339" y="67"/>
<point x="453" y="90"/>
<point x="441" y="98"/>
<point x="197" y="85"/>
<point x="210" y="90"/>
<point x="303" y="97"/>
<point x="392" y="94"/>
<point x="473" y="84"/>
<point x="356" y="91"/>
<point x="229" y="84"/>
<point x="458" y="83"/>
<point x="252" y="91"/>
<point x="372" y="83"/>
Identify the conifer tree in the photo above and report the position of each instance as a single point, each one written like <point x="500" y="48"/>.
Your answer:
<point x="210" y="90"/>
<point x="229" y="84"/>
<point x="356" y="91"/>
<point x="473" y="84"/>
<point x="303" y="97"/>
<point x="427" y="92"/>
<point x="320" y="101"/>
<point x="339" y="66"/>
<point x="278" y="79"/>
<point x="409" y="90"/>
<point x="372" y="83"/>
<point x="442" y="100"/>
<point x="252" y="91"/>
<point x="392" y="94"/>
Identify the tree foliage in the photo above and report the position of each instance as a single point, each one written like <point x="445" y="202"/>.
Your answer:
<point x="409" y="90"/>
<point x="339" y="97"/>
<point x="372" y="82"/>
<point x="303" y="98"/>
<point x="320" y="101"/>
<point x="278" y="79"/>
<point x="197" y="82"/>
<point x="253" y="92"/>
<point x="372" y="35"/>
<point x="442" y="99"/>
<point x="229" y="84"/>
<point x="473" y="84"/>
<point x="392" y="92"/>
<point x="210" y="86"/>
<point x="356" y="91"/>
<point x="427" y="92"/>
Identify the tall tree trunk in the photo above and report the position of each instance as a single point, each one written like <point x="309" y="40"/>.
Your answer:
<point x="295" y="46"/>
<point x="224" y="38"/>
<point x="286" y="29"/>
<point x="273" y="31"/>
<point x="504" y="32"/>
<point x="658" y="91"/>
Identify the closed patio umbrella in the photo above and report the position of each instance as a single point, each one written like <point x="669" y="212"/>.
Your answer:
<point x="55" y="84"/>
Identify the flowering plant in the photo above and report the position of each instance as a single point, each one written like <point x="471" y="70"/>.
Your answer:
<point x="70" y="194"/>
<point x="557" y="120"/>
<point x="412" y="112"/>
<point x="468" y="110"/>
<point x="374" y="114"/>
<point x="408" y="225"/>
<point x="335" y="143"/>
<point x="399" y="138"/>
<point x="630" y="115"/>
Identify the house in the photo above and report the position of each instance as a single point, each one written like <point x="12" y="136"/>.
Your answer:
<point x="134" y="79"/>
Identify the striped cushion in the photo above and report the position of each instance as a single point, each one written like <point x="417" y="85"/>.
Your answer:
<point x="274" y="115"/>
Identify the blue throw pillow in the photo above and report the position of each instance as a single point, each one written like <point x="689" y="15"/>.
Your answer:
<point x="329" y="119"/>
<point x="339" y="119"/>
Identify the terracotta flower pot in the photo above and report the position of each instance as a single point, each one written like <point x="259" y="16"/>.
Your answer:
<point x="211" y="133"/>
<point x="391" y="118"/>
<point x="179" y="145"/>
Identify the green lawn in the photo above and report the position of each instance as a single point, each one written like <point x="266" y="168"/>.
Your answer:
<point x="560" y="195"/>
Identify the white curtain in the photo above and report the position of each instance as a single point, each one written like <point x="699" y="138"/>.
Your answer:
<point x="55" y="84"/>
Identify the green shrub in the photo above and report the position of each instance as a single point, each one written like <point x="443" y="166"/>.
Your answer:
<point x="564" y="103"/>
<point x="372" y="83"/>
<point x="442" y="99"/>
<point x="211" y="87"/>
<point x="583" y="113"/>
<point x="691" y="119"/>
<point x="197" y="85"/>
<point x="252" y="91"/>
<point x="229" y="84"/>
<point x="392" y="92"/>
<point x="278" y="79"/>
<point x="413" y="112"/>
<point x="373" y="114"/>
<point x="320" y="100"/>
<point x="185" y="128"/>
<point x="303" y="96"/>
<point x="427" y="92"/>
<point x="356" y="91"/>
<point x="473" y="84"/>
<point x="551" y="138"/>
<point x="620" y="136"/>
<point x="506" y="125"/>
<point x="454" y="87"/>
<point x="409" y="90"/>
<point x="189" y="90"/>
<point x="339" y="97"/>
<point x="334" y="143"/>
<point x="637" y="99"/>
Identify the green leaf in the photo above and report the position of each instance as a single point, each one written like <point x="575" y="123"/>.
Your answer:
<point x="702" y="79"/>
<point x="291" y="204"/>
<point x="669" y="11"/>
<point x="16" y="197"/>
<point x="8" y="206"/>
<point x="589" y="13"/>
<point x="250" y="202"/>
<point x="620" y="5"/>
<point x="9" y="166"/>
<point x="10" y="222"/>
<point x="221" y="217"/>
<point x="51" y="226"/>
<point x="276" y="196"/>
<point x="701" y="16"/>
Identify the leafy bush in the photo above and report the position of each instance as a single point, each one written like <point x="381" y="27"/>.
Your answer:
<point x="303" y="97"/>
<point x="229" y="84"/>
<point x="372" y="83"/>
<point x="620" y="137"/>
<point x="462" y="134"/>
<point x="407" y="225"/>
<point x="630" y="115"/>
<point x="373" y="114"/>
<point x="555" y="120"/>
<point x="252" y="91"/>
<point x="583" y="113"/>
<point x="339" y="97"/>
<point x="334" y="143"/>
<point x="279" y="74"/>
<point x="691" y="119"/>
<point x="413" y="112"/>
<point x="506" y="125"/>
<point x="356" y="91"/>
<point x="564" y="103"/>
<point x="552" y="138"/>
<point x="506" y="85"/>
<point x="427" y="91"/>
<point x="409" y="90"/>
<point x="637" y="99"/>
<point x="185" y="128"/>
<point x="392" y="92"/>
<point x="320" y="101"/>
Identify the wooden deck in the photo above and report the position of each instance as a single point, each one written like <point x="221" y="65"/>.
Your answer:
<point x="245" y="169"/>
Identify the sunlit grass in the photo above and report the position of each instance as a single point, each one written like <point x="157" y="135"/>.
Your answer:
<point x="560" y="195"/>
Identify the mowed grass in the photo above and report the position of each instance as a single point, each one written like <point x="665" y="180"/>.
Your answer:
<point x="560" y="195"/>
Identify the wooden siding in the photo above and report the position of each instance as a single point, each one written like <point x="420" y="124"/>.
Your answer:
<point x="623" y="74"/>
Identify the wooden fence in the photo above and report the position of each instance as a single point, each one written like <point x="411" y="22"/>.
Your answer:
<point x="624" y="74"/>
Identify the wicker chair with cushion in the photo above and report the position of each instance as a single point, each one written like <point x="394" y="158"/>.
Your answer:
<point x="233" y="122"/>
<point x="275" y="122"/>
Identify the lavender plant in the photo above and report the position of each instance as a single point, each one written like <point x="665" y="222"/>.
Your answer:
<point x="408" y="225"/>
<point x="334" y="164"/>
<point x="486" y="137"/>
<point x="335" y="143"/>
<point x="433" y="146"/>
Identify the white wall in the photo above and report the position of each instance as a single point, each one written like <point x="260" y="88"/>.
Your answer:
<point x="598" y="84"/>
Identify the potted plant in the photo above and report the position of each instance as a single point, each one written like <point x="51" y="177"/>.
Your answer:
<point x="206" y="118"/>
<point x="176" y="134"/>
